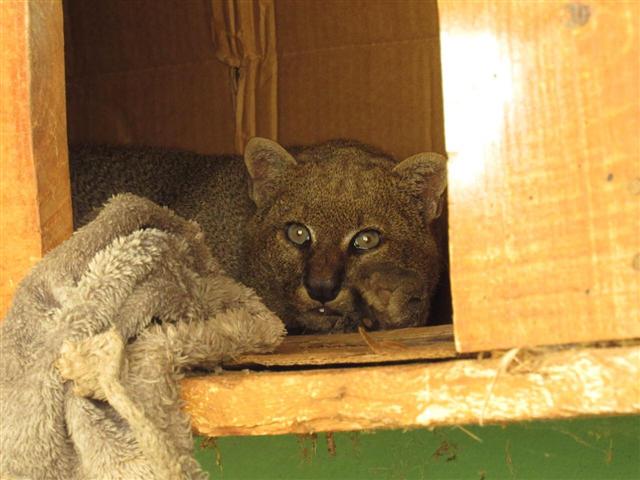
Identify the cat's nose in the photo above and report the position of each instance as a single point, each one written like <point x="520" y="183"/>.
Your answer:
<point x="323" y="289"/>
<point x="324" y="273"/>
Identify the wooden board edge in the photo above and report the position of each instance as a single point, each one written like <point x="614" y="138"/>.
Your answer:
<point x="407" y="344"/>
<point x="48" y="114"/>
<point x="35" y="196"/>
<point x="553" y="384"/>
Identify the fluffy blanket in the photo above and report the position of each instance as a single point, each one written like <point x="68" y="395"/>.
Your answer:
<point x="93" y="347"/>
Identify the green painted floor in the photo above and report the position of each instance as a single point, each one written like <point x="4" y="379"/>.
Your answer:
<point x="600" y="448"/>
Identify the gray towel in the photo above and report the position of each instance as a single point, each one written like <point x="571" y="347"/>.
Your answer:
<point x="97" y="338"/>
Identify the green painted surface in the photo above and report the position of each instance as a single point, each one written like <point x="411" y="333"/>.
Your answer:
<point x="599" y="448"/>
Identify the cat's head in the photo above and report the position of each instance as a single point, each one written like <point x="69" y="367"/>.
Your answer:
<point x="343" y="234"/>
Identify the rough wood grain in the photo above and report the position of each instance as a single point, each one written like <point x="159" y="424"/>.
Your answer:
<point x="34" y="185"/>
<point x="354" y="348"/>
<point x="542" y="117"/>
<point x="556" y="384"/>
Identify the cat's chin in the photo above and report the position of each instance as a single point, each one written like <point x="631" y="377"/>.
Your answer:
<point x="318" y="321"/>
<point x="325" y="320"/>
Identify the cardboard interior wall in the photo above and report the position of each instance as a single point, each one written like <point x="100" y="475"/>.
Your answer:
<point x="206" y="75"/>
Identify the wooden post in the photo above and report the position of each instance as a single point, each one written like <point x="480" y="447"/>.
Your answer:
<point x="35" y="199"/>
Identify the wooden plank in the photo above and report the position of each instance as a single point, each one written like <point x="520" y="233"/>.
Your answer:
<point x="34" y="185"/>
<point x="554" y="384"/>
<point x="543" y="132"/>
<point x="356" y="348"/>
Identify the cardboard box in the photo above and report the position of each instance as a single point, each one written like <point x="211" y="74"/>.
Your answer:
<point x="544" y="219"/>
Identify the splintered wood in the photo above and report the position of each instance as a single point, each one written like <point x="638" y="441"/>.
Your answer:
<point x="548" y="384"/>
<point x="359" y="348"/>
<point x="542" y="119"/>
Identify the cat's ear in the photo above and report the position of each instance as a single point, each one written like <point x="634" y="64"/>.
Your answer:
<point x="266" y="163"/>
<point x="424" y="176"/>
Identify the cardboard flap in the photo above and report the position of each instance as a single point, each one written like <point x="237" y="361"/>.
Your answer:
<point x="245" y="39"/>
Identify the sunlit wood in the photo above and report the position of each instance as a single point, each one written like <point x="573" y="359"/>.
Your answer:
<point x="553" y="384"/>
<point x="542" y="111"/>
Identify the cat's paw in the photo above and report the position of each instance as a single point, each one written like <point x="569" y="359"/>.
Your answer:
<point x="394" y="298"/>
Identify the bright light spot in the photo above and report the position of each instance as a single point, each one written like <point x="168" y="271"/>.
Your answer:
<point x="478" y="86"/>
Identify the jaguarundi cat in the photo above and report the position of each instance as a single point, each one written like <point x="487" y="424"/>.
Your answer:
<point x="331" y="236"/>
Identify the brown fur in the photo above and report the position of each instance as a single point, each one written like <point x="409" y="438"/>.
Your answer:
<point x="336" y="189"/>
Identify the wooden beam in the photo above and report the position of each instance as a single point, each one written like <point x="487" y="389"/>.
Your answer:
<point x="35" y="198"/>
<point x="544" y="384"/>
<point x="543" y="121"/>
<point x="425" y="343"/>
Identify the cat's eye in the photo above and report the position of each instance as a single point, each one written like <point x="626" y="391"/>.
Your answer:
<point x="298" y="234"/>
<point x="366" y="240"/>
